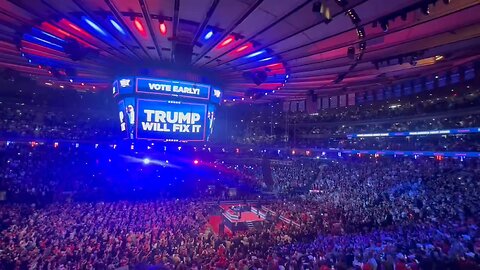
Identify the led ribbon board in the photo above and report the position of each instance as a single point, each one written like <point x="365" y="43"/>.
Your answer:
<point x="172" y="88"/>
<point x="417" y="133"/>
<point x="170" y="120"/>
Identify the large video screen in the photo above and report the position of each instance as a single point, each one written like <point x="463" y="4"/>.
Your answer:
<point x="170" y="111"/>
<point x="170" y="120"/>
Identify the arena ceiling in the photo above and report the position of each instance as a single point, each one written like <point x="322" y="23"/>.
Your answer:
<point x="261" y="49"/>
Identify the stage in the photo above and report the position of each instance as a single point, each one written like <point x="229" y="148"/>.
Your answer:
<point x="240" y="217"/>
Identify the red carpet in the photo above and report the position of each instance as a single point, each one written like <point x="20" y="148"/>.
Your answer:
<point x="214" y="222"/>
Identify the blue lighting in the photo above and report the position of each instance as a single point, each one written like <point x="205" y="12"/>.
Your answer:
<point x="208" y="35"/>
<point x="146" y="161"/>
<point x="93" y="25"/>
<point x="117" y="26"/>
<point x="43" y="34"/>
<point x="265" y="59"/>
<point x="255" y="54"/>
<point x="48" y="42"/>
<point x="52" y="36"/>
<point x="42" y="41"/>
<point x="417" y="133"/>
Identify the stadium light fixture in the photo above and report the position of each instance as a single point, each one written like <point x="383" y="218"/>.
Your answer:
<point x="117" y="26"/>
<point x="242" y="48"/>
<point x="255" y="54"/>
<point x="208" y="35"/>
<point x="225" y="42"/>
<point x="94" y="25"/>
<point x="265" y="59"/>
<point x="41" y="33"/>
<point x="138" y="24"/>
<point x="163" y="27"/>
<point x="43" y="41"/>
<point x="73" y="26"/>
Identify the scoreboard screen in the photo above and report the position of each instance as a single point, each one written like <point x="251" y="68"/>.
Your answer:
<point x="165" y="110"/>
<point x="171" y="120"/>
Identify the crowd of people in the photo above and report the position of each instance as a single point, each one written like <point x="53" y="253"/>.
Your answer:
<point x="271" y="126"/>
<point x="433" y="123"/>
<point x="468" y="98"/>
<point x="461" y="143"/>
<point x="294" y="175"/>
<point x="371" y="213"/>
<point x="93" y="119"/>
<point x="32" y="122"/>
<point x="75" y="205"/>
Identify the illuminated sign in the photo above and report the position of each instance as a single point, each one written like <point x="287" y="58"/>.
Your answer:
<point x="173" y="88"/>
<point x="216" y="96"/>
<point x="417" y="133"/>
<point x="170" y="120"/>
<point x="125" y="82"/>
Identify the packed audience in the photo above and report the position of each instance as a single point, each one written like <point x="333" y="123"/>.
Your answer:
<point x="251" y="172"/>
<point x="468" y="143"/>
<point x="360" y="214"/>
<point x="468" y="98"/>
<point x="79" y="207"/>
<point x="270" y="125"/>
<point x="293" y="175"/>
<point x="31" y="122"/>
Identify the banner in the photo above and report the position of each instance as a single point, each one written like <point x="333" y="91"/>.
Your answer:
<point x="173" y="88"/>
<point x="170" y="120"/>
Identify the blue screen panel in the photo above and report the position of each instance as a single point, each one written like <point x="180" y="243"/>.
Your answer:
<point x="173" y="88"/>
<point x="126" y="115"/>
<point x="125" y="86"/>
<point x="216" y="96"/>
<point x="171" y="120"/>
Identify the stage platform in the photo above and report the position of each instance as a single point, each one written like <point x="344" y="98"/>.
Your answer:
<point x="241" y="217"/>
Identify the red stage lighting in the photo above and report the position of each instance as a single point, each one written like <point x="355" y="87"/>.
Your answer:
<point x="163" y="28"/>
<point x="138" y="24"/>
<point x="227" y="41"/>
<point x="73" y="26"/>
<point x="274" y="65"/>
<point x="243" y="48"/>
